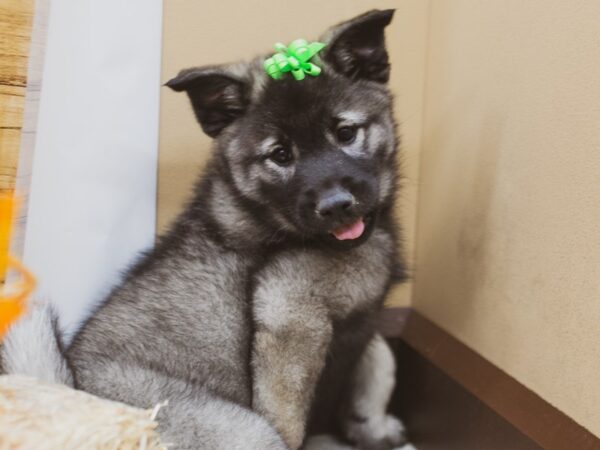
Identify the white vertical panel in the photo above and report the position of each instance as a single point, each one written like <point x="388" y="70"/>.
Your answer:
<point x="93" y="189"/>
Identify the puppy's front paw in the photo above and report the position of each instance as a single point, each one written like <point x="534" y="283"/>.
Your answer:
<point x="376" y="433"/>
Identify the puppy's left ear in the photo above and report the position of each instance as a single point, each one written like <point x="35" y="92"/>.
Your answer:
<point x="356" y="48"/>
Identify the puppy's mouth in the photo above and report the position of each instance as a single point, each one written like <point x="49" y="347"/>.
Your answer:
<point x="355" y="232"/>
<point x="350" y="231"/>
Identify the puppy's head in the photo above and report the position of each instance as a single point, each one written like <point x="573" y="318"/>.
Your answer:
<point x="317" y="154"/>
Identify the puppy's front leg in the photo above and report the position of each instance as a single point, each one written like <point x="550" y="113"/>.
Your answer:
<point x="366" y="424"/>
<point x="292" y="335"/>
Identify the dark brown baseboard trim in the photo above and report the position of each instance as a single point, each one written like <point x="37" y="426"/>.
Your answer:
<point x="545" y="426"/>
<point x="442" y="415"/>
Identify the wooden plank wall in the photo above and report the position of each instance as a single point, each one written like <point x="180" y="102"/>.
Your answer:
<point x="15" y="31"/>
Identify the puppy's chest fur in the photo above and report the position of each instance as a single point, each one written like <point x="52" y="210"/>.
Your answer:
<point x="310" y="303"/>
<point x="190" y="309"/>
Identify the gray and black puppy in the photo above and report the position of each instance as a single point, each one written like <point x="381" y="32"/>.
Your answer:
<point x="255" y="315"/>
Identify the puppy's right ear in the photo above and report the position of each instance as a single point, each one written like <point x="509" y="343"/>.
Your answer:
<point x="218" y="97"/>
<point x="356" y="48"/>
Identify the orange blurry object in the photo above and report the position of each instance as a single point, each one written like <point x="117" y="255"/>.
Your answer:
<point x="7" y="205"/>
<point x="12" y="296"/>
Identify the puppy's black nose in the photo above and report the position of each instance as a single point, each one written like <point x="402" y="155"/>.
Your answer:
<point x="334" y="203"/>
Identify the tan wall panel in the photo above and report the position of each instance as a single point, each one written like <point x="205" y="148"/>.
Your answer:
<point x="198" y="33"/>
<point x="508" y="253"/>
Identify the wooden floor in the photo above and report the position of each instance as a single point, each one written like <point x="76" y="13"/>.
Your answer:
<point x="15" y="31"/>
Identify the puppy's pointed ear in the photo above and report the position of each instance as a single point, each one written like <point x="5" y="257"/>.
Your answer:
<point x="218" y="95"/>
<point x="356" y="48"/>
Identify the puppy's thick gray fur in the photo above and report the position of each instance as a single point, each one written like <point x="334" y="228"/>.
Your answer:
<point x="33" y="347"/>
<point x="249" y="317"/>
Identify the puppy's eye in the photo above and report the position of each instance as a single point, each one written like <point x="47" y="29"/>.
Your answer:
<point x="346" y="135"/>
<point x="282" y="155"/>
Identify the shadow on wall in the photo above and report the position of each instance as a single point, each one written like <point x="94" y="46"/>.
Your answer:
<point x="472" y="205"/>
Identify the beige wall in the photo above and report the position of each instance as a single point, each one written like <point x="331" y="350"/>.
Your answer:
<point x="198" y="33"/>
<point x="508" y="252"/>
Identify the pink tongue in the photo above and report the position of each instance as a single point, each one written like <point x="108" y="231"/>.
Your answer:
<point x="352" y="231"/>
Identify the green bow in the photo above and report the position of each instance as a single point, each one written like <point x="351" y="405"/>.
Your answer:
<point x="295" y="59"/>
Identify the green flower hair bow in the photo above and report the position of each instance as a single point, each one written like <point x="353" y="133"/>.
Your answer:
<point x="295" y="59"/>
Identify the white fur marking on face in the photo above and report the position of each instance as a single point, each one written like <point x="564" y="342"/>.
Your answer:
<point x="284" y="173"/>
<point x="352" y="118"/>
<point x="355" y="119"/>
<point x="357" y="148"/>
<point x="376" y="137"/>
<point x="266" y="146"/>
